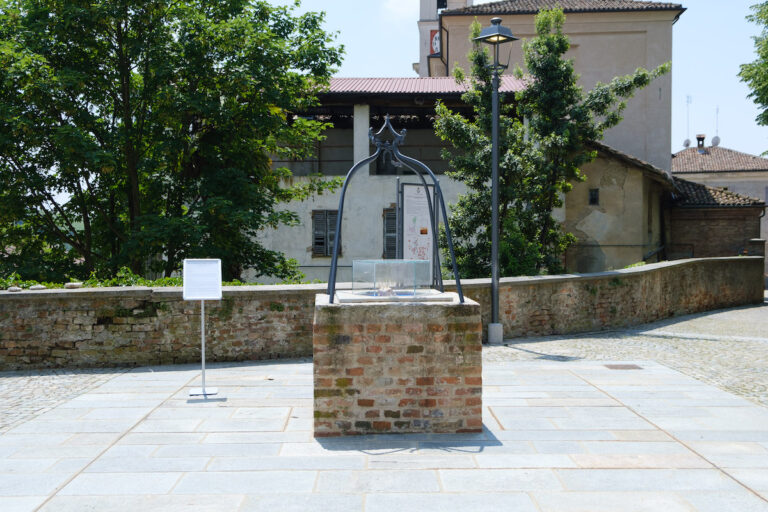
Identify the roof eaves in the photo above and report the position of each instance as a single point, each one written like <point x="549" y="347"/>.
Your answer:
<point x="654" y="172"/>
<point x="566" y="11"/>
<point x="708" y="171"/>
<point x="720" y="206"/>
<point x="497" y="8"/>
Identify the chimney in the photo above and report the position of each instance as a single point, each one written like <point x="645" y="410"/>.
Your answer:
<point x="700" y="144"/>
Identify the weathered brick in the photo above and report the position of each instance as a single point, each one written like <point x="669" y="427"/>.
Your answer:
<point x="413" y="328"/>
<point x="343" y="382"/>
<point x="319" y="393"/>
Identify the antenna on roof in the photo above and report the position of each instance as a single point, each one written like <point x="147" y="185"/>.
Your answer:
<point x="716" y="138"/>
<point x="688" y="101"/>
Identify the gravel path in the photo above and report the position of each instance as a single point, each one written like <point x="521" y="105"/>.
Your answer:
<point x="28" y="393"/>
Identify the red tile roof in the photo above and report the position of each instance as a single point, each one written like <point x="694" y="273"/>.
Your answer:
<point x="534" y="6"/>
<point x="696" y="195"/>
<point x="716" y="159"/>
<point x="413" y="85"/>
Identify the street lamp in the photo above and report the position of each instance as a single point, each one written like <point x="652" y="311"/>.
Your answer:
<point x="495" y="35"/>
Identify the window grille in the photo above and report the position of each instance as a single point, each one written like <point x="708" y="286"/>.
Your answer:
<point x="323" y="232"/>
<point x="389" y="217"/>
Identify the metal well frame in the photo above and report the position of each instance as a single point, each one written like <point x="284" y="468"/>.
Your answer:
<point x="418" y="168"/>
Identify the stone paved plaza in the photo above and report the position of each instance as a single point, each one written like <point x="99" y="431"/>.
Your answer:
<point x="570" y="424"/>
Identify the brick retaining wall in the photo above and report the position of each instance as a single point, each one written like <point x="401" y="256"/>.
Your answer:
<point x="143" y="326"/>
<point x="561" y="304"/>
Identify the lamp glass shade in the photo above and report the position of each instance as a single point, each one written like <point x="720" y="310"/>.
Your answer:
<point x="496" y="33"/>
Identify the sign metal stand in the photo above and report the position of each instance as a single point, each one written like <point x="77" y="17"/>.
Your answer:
<point x="202" y="281"/>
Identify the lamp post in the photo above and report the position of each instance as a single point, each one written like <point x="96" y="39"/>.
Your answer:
<point x="495" y="35"/>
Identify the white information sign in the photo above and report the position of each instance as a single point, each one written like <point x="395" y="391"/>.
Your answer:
<point x="417" y="226"/>
<point x="202" y="279"/>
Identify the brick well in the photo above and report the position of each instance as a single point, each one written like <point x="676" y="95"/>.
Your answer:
<point x="397" y="367"/>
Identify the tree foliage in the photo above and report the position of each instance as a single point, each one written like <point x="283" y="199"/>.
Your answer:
<point x="140" y="133"/>
<point x="538" y="159"/>
<point x="755" y="74"/>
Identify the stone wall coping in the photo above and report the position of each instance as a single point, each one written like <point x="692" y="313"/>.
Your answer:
<point x="610" y="274"/>
<point x="76" y="293"/>
<point x="164" y="292"/>
<point x="321" y="299"/>
<point x="169" y="293"/>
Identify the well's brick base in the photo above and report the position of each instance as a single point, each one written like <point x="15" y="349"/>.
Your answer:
<point x="397" y="367"/>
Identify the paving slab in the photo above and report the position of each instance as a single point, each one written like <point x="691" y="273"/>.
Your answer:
<point x="605" y="441"/>
<point x="560" y="434"/>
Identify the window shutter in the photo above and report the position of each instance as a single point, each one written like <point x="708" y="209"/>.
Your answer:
<point x="319" y="231"/>
<point x="331" y="216"/>
<point x="390" y="233"/>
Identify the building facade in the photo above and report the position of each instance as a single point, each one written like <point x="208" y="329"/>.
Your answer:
<point x="628" y="210"/>
<point x="728" y="171"/>
<point x="609" y="38"/>
<point x="616" y="213"/>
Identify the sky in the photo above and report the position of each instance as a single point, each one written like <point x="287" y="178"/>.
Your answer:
<point x="711" y="40"/>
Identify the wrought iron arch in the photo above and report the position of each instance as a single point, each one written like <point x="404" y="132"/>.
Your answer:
<point x="392" y="147"/>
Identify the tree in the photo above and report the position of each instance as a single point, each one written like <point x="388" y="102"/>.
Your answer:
<point x="755" y="74"/>
<point x="143" y="131"/>
<point x="538" y="159"/>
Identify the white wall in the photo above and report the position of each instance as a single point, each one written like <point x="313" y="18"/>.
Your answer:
<point x="362" y="224"/>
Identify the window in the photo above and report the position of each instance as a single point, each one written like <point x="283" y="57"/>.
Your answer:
<point x="323" y="232"/>
<point x="594" y="196"/>
<point x="389" y="217"/>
